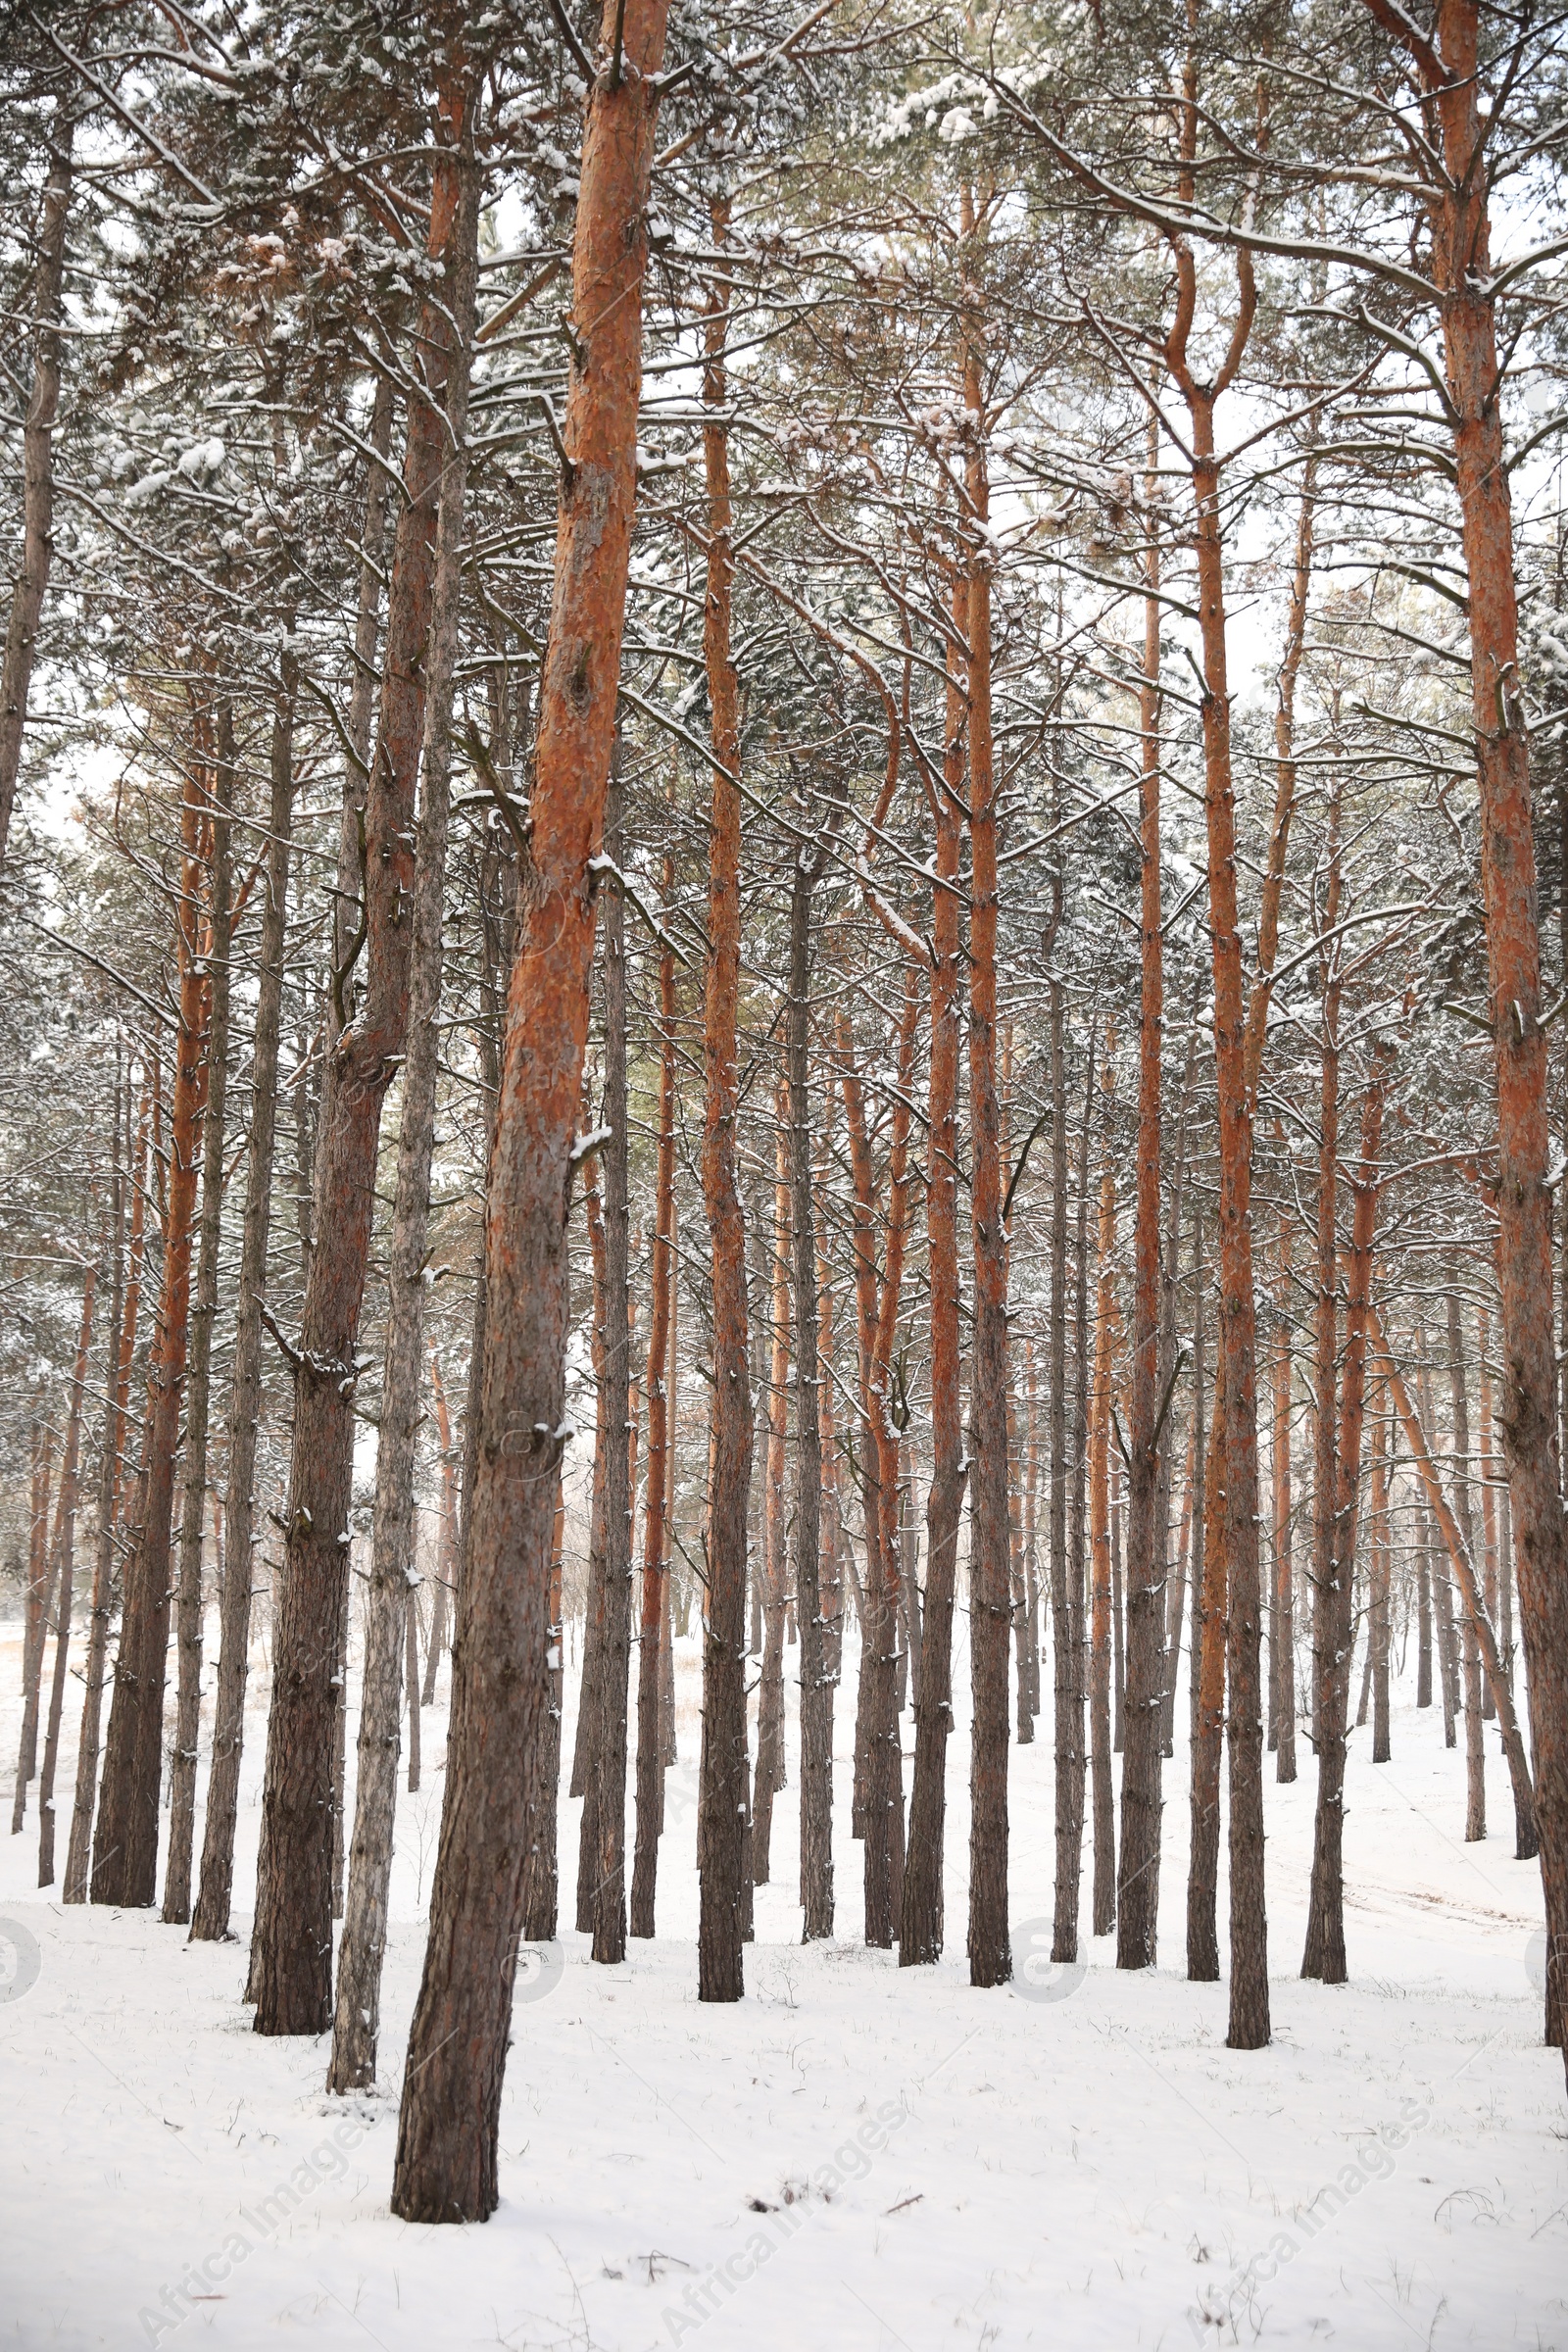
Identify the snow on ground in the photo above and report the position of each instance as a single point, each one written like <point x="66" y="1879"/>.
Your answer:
<point x="854" y="2156"/>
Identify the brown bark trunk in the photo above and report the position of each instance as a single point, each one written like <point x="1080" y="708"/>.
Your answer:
<point x="204" y="1315"/>
<point x="1099" y="1635"/>
<point x="1382" y="1582"/>
<point x="769" y="1775"/>
<point x="1071" y="1652"/>
<point x="124" y="1867"/>
<point x="1283" y="1652"/>
<point x="388" y="1677"/>
<point x="1475" y="1775"/>
<point x="818" y="1665"/>
<point x="65" y="1555"/>
<point x="292" y="1976"/>
<point x="1138" y="1878"/>
<point x="37" y="462"/>
<point x="40" y="1563"/>
<point x="990" y="1951"/>
<point x="606" y="1797"/>
<point x="210" y="1920"/>
<point x="1324" y="1956"/>
<point x="1205" y="1667"/>
<point x="447" y="2134"/>
<point x="723" y="1780"/>
<point x="656" y="1572"/>
<point x="922" y="1918"/>
<point x="1459" y="214"/>
<point x="79" y="1853"/>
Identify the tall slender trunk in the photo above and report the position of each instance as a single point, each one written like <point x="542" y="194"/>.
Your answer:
<point x="204" y="1316"/>
<point x="1205" y="1666"/>
<point x="990" y="1952"/>
<point x="1138" y="1878"/>
<point x="448" y="2127"/>
<point x="1462" y="262"/>
<point x="124" y="1866"/>
<point x="770" y="1762"/>
<point x="40" y="1565"/>
<point x="1283" y="1656"/>
<point x="64" y="1550"/>
<point x="37" y="461"/>
<point x="80" y="1849"/>
<point x="389" y="1602"/>
<point x="292" y="1978"/>
<point x="722" y="1799"/>
<point x="818" y="1668"/>
<point x="876" y="1315"/>
<point x="1234" y="1524"/>
<point x="209" y="1919"/>
<point x="1475" y="1778"/>
<point x="607" y="1798"/>
<point x="449" y="1550"/>
<point x="921" y="1918"/>
<point x="1071" y="1656"/>
<point x="1382" y="1580"/>
<point x="1324" y="1956"/>
<point x="1100" y="1638"/>
<point x="656" y="1570"/>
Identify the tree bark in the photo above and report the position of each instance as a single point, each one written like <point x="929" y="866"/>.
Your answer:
<point x="204" y="1315"/>
<point x="722" y="1778"/>
<point x="1324" y="1955"/>
<point x="447" y="2132"/>
<point x="41" y="1567"/>
<point x="1138" y="1879"/>
<point x="1457" y="207"/>
<point x="607" y="1802"/>
<point x="394" y="1575"/>
<point x="656" y="1572"/>
<point x="124" y="1867"/>
<point x="79" y="1853"/>
<point x="1475" y="1776"/>
<point x="1104" y="1905"/>
<point x="1071" y="1656"/>
<point x="210" y="1920"/>
<point x="292" y="1978"/>
<point x="921" y="1915"/>
<point x="65" y="1552"/>
<point x="769" y="1775"/>
<point x="37" y="461"/>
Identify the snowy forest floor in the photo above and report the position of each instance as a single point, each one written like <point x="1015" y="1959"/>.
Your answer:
<point x="855" y="2156"/>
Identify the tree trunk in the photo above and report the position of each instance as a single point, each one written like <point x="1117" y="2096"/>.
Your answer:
<point x="64" y="1553"/>
<point x="1283" y="1654"/>
<point x="1461" y="261"/>
<point x="607" y="1802"/>
<point x="769" y="1775"/>
<point x="818" y="1671"/>
<point x="447" y="2134"/>
<point x="990" y="1951"/>
<point x="293" y="1973"/>
<point x="40" y="1568"/>
<point x="722" y="1799"/>
<point x="1475" y="1776"/>
<point x="1381" y="1563"/>
<point x="1099" y="1639"/>
<point x="1138" y="1880"/>
<point x="1206" y="1669"/>
<point x="1072" y="1654"/>
<point x="79" y="1853"/>
<point x="204" y="1315"/>
<point x="210" y="1920"/>
<point x="656" y="1571"/>
<point x="124" y="1867"/>
<point x="37" y="461"/>
<point x="394" y="1575"/>
<point x="921" y="1918"/>
<point x="1324" y="1956"/>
